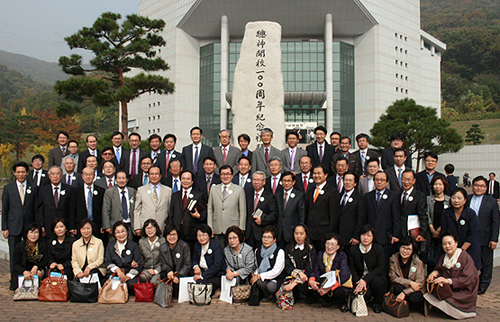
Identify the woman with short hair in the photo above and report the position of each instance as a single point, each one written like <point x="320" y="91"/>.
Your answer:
<point x="60" y="248"/>
<point x="31" y="254"/>
<point x="149" y="246"/>
<point x="240" y="258"/>
<point x="87" y="254"/>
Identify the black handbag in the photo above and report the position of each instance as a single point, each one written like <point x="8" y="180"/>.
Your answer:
<point x="254" y="299"/>
<point x="83" y="292"/>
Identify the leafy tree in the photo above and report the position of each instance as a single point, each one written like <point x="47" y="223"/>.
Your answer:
<point x="16" y="130"/>
<point x="422" y="129"/>
<point x="117" y="49"/>
<point x="474" y="135"/>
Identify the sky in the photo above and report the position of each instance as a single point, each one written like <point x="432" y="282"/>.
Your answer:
<point x="37" y="28"/>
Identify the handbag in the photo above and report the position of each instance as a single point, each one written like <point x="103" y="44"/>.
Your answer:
<point x="164" y="293"/>
<point x="395" y="308"/>
<point x="284" y="299"/>
<point x="356" y="303"/>
<point x="82" y="292"/>
<point x="200" y="294"/>
<point x="440" y="291"/>
<point x="254" y="299"/>
<point x="241" y="293"/>
<point x="108" y="295"/>
<point x="54" y="289"/>
<point x="144" y="292"/>
<point x="347" y="283"/>
<point x="26" y="293"/>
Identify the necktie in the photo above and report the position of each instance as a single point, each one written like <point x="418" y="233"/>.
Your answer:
<point x="167" y="162"/>
<point x="63" y="149"/>
<point x="35" y="178"/>
<point x="256" y="201"/>
<point x="305" y="183"/>
<point x="321" y="154"/>
<point x="124" y="206"/>
<point x="399" y="177"/>
<point x="175" y="189"/>
<point x="286" y="200"/>
<point x="110" y="184"/>
<point x="224" y="192"/>
<point x="378" y="197"/>
<point x="274" y="185"/>
<point x="145" y="181"/>
<point x="225" y="155"/>
<point x="292" y="161"/>
<point x="316" y="194"/>
<point x="118" y="155"/>
<point x="69" y="179"/>
<point x="339" y="184"/>
<point x="89" y="204"/>
<point x="195" y="162"/>
<point x="184" y="200"/>
<point x="209" y="180"/>
<point x="155" y="196"/>
<point x="93" y="152"/>
<point x="363" y="160"/>
<point x="133" y="170"/>
<point x="242" y="181"/>
<point x="491" y="187"/>
<point x="404" y="199"/>
<point x="343" y="200"/>
<point x="56" y="196"/>
<point x="21" y="193"/>
<point x="267" y="155"/>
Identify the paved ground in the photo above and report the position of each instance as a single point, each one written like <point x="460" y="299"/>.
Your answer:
<point x="488" y="308"/>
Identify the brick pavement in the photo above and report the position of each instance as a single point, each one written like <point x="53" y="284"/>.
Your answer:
<point x="488" y="308"/>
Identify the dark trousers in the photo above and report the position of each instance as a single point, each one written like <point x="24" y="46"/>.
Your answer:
<point x="376" y="288"/>
<point x="267" y="288"/>
<point x="221" y="240"/>
<point x="416" y="299"/>
<point x="300" y="289"/>
<point x="13" y="241"/>
<point x="337" y="294"/>
<point x="252" y="241"/>
<point x="487" y="270"/>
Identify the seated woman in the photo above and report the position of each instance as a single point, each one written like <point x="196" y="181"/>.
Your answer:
<point x="149" y="246"/>
<point x="60" y="248"/>
<point x="175" y="257"/>
<point x="123" y="257"/>
<point x="208" y="259"/>
<point x="299" y="262"/>
<point x="457" y="269"/>
<point x="366" y="262"/>
<point x="270" y="263"/>
<point x="240" y="258"/>
<point x="407" y="274"/>
<point x="331" y="259"/>
<point x="463" y="220"/>
<point x="30" y="255"/>
<point x="87" y="254"/>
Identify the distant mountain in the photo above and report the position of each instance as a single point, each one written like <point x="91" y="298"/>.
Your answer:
<point x="36" y="69"/>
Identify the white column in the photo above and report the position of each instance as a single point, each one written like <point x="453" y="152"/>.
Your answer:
<point x="329" y="71"/>
<point x="224" y="70"/>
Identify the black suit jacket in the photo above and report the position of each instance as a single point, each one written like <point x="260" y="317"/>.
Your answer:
<point x="125" y="163"/>
<point x="370" y="155"/>
<point x="299" y="183"/>
<point x="267" y="203"/>
<point x="496" y="189"/>
<point x="168" y="181"/>
<point x="353" y="161"/>
<point x="137" y="181"/>
<point x="46" y="210"/>
<point x="392" y="177"/>
<point x="292" y="215"/>
<point x="312" y="152"/>
<point x="323" y="216"/>
<point x="179" y="214"/>
<point x="352" y="217"/>
<point x="248" y="184"/>
<point x="269" y="184"/>
<point x="161" y="161"/>
<point x="250" y="153"/>
<point x="388" y="158"/>
<point x="44" y="178"/>
<point x="81" y="208"/>
<point x="83" y="156"/>
<point x="385" y="217"/>
<point x="16" y="215"/>
<point x="187" y="151"/>
<point x="200" y="183"/>
<point x="416" y="206"/>
<point x="119" y="166"/>
<point x="423" y="184"/>
<point x="489" y="220"/>
<point x="78" y="181"/>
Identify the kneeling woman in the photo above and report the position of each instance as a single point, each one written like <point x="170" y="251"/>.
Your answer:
<point x="87" y="255"/>
<point x="149" y="245"/>
<point x="208" y="259"/>
<point x="123" y="254"/>
<point x="60" y="248"/>
<point x="30" y="255"/>
<point x="457" y="269"/>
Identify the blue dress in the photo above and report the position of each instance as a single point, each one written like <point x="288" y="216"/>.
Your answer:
<point x="467" y="228"/>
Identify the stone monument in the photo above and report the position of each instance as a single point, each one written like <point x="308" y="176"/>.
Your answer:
<point x="258" y="92"/>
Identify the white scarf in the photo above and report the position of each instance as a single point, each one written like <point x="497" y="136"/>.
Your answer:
<point x="364" y="249"/>
<point x="450" y="262"/>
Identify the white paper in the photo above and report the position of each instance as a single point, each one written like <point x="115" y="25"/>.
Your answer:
<point x="225" y="286"/>
<point x="183" y="288"/>
<point x="413" y="222"/>
<point x="331" y="279"/>
<point x="94" y="278"/>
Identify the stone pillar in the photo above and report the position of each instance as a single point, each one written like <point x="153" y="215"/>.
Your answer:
<point x="329" y="71"/>
<point x="224" y="70"/>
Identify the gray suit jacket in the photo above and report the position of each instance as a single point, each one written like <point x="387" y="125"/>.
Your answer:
<point x="259" y="159"/>
<point x="233" y="154"/>
<point x="151" y="257"/>
<point x="103" y="182"/>
<point x="363" y="185"/>
<point x="225" y="212"/>
<point x="112" y="206"/>
<point x="64" y="160"/>
<point x="56" y="156"/>
<point x="146" y="209"/>
<point x="287" y="162"/>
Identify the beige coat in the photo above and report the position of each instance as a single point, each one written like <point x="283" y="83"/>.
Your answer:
<point x="94" y="254"/>
<point x="416" y="273"/>
<point x="229" y="211"/>
<point x="145" y="208"/>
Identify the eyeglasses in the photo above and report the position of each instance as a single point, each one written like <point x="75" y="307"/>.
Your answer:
<point x="232" y="238"/>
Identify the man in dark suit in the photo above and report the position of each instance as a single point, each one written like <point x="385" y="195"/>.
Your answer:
<point x="264" y="153"/>
<point x="173" y="179"/>
<point x="91" y="141"/>
<point x="337" y="179"/>
<point x="244" y="142"/>
<point x="71" y="177"/>
<point x="164" y="159"/>
<point x="364" y="154"/>
<point x="335" y="141"/>
<point x="353" y="162"/>
<point x="88" y="203"/>
<point x="320" y="152"/>
<point x="108" y="180"/>
<point x="225" y="153"/>
<point x="304" y="180"/>
<point x="243" y="177"/>
<point x="38" y="175"/>
<point x="383" y="211"/>
<point x="397" y="141"/>
<point x="55" y="200"/>
<point x="184" y="219"/>
<point x="395" y="172"/>
<point x="273" y="182"/>
<point x="352" y="211"/>
<point x="120" y="151"/>
<point x="424" y="177"/>
<point x="18" y="210"/>
<point x="322" y="208"/>
<point x="290" y="203"/>
<point x="207" y="178"/>
<point x="488" y="216"/>
<point x="142" y="178"/>
<point x="155" y="144"/>
<point x="196" y="152"/>
<point x="259" y="199"/>
<point x="56" y="154"/>
<point x="413" y="203"/>
<point x="131" y="161"/>
<point x="493" y="186"/>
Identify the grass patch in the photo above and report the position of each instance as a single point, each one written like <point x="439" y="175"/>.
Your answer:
<point x="489" y="128"/>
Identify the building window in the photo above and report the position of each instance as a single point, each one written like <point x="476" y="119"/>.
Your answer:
<point x="396" y="48"/>
<point x="397" y="61"/>
<point x="401" y="76"/>
<point x="400" y="36"/>
<point x="406" y="53"/>
<point x="153" y="104"/>
<point x="397" y="89"/>
<point x="158" y="116"/>
<point x="406" y="78"/>
<point x="149" y="131"/>
<point x="406" y="91"/>
<point x="401" y="50"/>
<point x="401" y="63"/>
<point x="401" y="92"/>
<point x="395" y="34"/>
<point x="149" y="118"/>
<point x="154" y="118"/>
<point x="158" y="103"/>
<point x="406" y="38"/>
<point x="149" y="105"/>
<point x="158" y="130"/>
<point x="406" y="65"/>
<point x="397" y="75"/>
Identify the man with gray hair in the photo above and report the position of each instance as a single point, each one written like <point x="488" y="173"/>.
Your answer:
<point x="273" y="183"/>
<point x="71" y="177"/>
<point x="264" y="153"/>
<point x="225" y="153"/>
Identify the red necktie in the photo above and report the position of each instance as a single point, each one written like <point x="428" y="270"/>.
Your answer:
<point x="267" y="155"/>
<point x="225" y="155"/>
<point x="167" y="162"/>
<point x="110" y="185"/>
<point x="274" y="185"/>
<point x="305" y="183"/>
<point x="184" y="200"/>
<point x="256" y="202"/>
<point x="56" y="196"/>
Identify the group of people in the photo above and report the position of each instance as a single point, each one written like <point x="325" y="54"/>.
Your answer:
<point x="265" y="217"/>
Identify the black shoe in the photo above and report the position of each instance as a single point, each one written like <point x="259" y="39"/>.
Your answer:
<point x="326" y="304"/>
<point x="481" y="291"/>
<point x="344" y="309"/>
<point x="376" y="308"/>
<point x="310" y="300"/>
<point x="12" y="288"/>
<point x="267" y="299"/>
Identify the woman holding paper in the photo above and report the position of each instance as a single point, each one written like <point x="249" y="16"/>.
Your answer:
<point x="332" y="259"/>
<point x="87" y="255"/>
<point x="30" y="255"/>
<point x="60" y="248"/>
